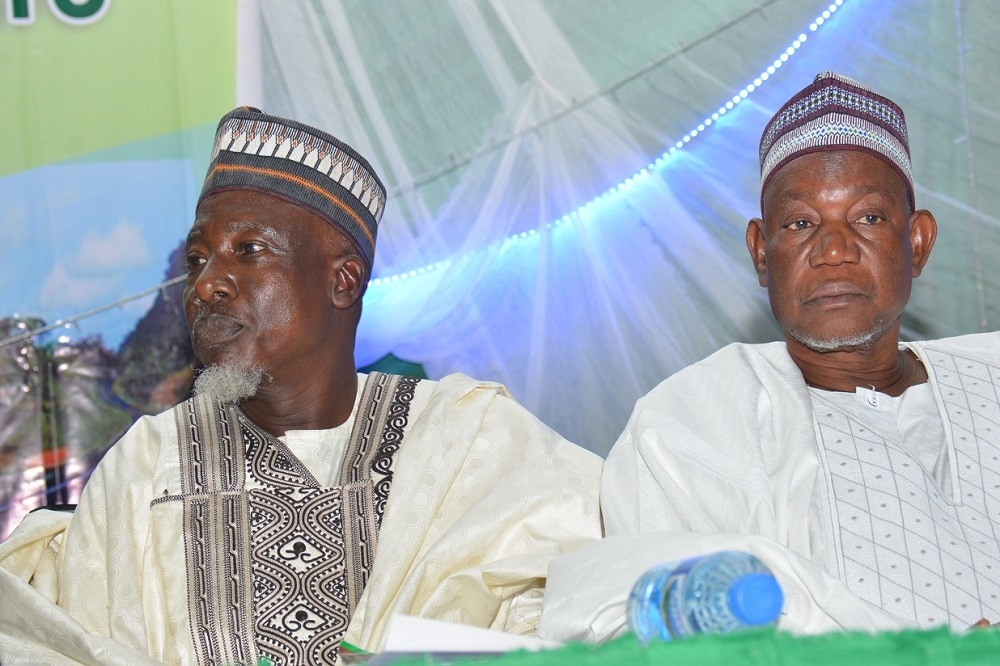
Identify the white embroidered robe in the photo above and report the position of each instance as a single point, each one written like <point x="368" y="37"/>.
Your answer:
<point x="483" y="496"/>
<point x="724" y="455"/>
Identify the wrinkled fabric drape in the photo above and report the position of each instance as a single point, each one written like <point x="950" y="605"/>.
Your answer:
<point x="496" y="124"/>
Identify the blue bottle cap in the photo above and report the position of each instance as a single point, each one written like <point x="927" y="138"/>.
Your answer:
<point x="756" y="599"/>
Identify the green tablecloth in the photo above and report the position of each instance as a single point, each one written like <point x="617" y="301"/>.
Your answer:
<point x="938" y="647"/>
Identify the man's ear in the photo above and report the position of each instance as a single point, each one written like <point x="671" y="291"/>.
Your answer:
<point x="348" y="281"/>
<point x="755" y="243"/>
<point x="923" y="232"/>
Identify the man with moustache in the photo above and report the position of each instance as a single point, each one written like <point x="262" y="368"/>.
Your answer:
<point x="864" y="471"/>
<point x="294" y="504"/>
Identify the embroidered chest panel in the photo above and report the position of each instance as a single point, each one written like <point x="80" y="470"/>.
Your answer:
<point x="901" y="544"/>
<point x="277" y="571"/>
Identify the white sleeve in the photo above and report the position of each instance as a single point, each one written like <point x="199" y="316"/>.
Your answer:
<point x="36" y="567"/>
<point x="587" y="590"/>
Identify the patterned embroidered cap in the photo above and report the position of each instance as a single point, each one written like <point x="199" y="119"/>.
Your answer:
<point x="301" y="164"/>
<point x="836" y="113"/>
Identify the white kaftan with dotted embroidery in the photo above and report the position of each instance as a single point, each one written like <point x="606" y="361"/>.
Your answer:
<point x="728" y="454"/>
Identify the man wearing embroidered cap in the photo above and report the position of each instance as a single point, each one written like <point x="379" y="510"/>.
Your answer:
<point x="294" y="505"/>
<point x="861" y="469"/>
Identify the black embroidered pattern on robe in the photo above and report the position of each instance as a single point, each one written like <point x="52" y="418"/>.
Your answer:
<point x="277" y="571"/>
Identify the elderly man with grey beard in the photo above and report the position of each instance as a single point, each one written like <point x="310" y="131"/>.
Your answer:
<point x="863" y="470"/>
<point x="293" y="506"/>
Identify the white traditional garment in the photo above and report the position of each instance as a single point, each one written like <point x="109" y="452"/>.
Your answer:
<point x="482" y="496"/>
<point x="729" y="454"/>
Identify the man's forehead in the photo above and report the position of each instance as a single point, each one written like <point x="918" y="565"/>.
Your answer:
<point x="228" y="225"/>
<point x="834" y="174"/>
<point x="247" y="211"/>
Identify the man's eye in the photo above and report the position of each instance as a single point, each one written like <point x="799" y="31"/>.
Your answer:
<point x="871" y="218"/>
<point x="251" y="247"/>
<point x="194" y="261"/>
<point x="799" y="224"/>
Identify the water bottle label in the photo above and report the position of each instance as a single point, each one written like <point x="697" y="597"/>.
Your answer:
<point x="673" y="599"/>
<point x="673" y="611"/>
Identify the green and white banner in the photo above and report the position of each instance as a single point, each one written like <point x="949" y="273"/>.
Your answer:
<point x="107" y="111"/>
<point x="106" y="115"/>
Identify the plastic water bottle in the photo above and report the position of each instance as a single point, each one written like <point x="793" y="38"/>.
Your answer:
<point x="712" y="594"/>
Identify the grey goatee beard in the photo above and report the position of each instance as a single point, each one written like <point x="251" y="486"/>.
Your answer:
<point x="860" y="341"/>
<point x="228" y="384"/>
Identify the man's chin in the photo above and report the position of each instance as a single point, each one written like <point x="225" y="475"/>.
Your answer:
<point x="228" y="383"/>
<point x="837" y="343"/>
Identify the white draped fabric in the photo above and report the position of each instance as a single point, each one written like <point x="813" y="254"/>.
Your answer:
<point x="496" y="123"/>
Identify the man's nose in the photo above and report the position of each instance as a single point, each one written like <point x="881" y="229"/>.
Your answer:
<point x="214" y="281"/>
<point x="834" y="244"/>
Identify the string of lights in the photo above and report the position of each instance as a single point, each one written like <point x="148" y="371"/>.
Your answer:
<point x="643" y="173"/>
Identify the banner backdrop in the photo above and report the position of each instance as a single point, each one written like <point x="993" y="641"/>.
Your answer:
<point x="107" y="113"/>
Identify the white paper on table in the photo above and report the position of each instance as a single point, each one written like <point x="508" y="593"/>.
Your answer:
<point x="415" y="634"/>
